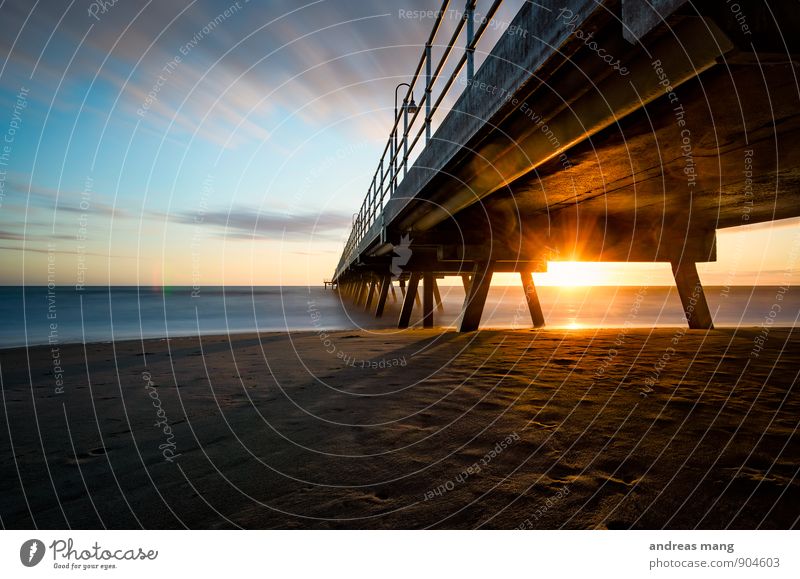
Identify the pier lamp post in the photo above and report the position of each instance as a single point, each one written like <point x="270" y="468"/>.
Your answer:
<point x="408" y="107"/>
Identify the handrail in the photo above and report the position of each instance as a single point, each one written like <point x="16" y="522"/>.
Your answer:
<point x="386" y="178"/>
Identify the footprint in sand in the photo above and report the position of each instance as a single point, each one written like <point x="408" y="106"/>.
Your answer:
<point x="85" y="457"/>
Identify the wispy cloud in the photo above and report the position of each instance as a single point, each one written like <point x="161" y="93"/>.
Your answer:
<point x="220" y="69"/>
<point x="243" y="223"/>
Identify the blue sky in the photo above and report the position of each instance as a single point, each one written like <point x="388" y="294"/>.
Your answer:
<point x="198" y="142"/>
<point x="146" y="102"/>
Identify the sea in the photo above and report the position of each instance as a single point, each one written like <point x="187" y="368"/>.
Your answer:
<point x="35" y="315"/>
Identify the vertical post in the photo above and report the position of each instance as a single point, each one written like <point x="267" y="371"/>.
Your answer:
<point x="360" y="287"/>
<point x="386" y="281"/>
<point x="692" y="296"/>
<point x="405" y="138"/>
<point x="382" y="177"/>
<point x="403" y="286"/>
<point x="437" y="296"/>
<point x="427" y="92"/>
<point x="531" y="297"/>
<point x="393" y="165"/>
<point x="465" y="279"/>
<point x="469" y="14"/>
<point x="427" y="299"/>
<point x="394" y="293"/>
<point x="370" y="291"/>
<point x="476" y="297"/>
<point x="408" y="301"/>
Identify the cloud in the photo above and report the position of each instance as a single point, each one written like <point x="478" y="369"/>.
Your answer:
<point x="11" y="235"/>
<point x="239" y="64"/>
<point x="243" y="223"/>
<point x="48" y="198"/>
<point x="61" y="252"/>
<point x="33" y="236"/>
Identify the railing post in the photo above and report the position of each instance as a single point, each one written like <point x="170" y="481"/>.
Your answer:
<point x="394" y="167"/>
<point x="469" y="14"/>
<point x="382" y="177"/>
<point x="392" y="154"/>
<point x="427" y="91"/>
<point x="405" y="140"/>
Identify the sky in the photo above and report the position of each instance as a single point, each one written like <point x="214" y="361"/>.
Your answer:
<point x="210" y="143"/>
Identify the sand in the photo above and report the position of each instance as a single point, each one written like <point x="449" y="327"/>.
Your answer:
<point x="598" y="429"/>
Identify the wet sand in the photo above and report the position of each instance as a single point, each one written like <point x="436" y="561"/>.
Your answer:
<point x="496" y="429"/>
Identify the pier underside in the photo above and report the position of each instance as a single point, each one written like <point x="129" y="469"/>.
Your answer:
<point x="587" y="165"/>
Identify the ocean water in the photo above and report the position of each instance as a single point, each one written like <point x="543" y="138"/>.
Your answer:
<point x="38" y="315"/>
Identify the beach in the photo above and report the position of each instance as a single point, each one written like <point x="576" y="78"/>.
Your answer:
<point x="610" y="428"/>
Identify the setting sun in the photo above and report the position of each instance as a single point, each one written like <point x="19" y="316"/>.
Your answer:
<point x="575" y="273"/>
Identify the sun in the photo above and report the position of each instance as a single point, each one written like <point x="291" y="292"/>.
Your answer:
<point x="573" y="274"/>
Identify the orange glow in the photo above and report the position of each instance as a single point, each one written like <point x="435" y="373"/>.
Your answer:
<point x="574" y="274"/>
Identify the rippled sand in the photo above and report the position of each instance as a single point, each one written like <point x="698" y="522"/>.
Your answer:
<point x="498" y="429"/>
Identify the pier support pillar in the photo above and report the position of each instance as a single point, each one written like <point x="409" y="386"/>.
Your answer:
<point x="465" y="279"/>
<point x="436" y="295"/>
<point x="532" y="298"/>
<point x="693" y="298"/>
<point x="386" y="281"/>
<point x="370" y="293"/>
<point x="476" y="297"/>
<point x="408" y="300"/>
<point x="427" y="299"/>
<point x="359" y="293"/>
<point x="394" y="293"/>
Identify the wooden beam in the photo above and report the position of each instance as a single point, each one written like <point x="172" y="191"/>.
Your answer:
<point x="386" y="281"/>
<point x="427" y="299"/>
<point x="360" y="289"/>
<point x="692" y="296"/>
<point x="436" y="295"/>
<point x="532" y="298"/>
<point x="370" y="293"/>
<point x="476" y="297"/>
<point x="465" y="279"/>
<point x="408" y="301"/>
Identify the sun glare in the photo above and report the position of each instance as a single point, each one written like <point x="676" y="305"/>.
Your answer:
<point x="574" y="274"/>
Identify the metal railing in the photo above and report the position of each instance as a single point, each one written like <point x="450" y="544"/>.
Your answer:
<point x="395" y="157"/>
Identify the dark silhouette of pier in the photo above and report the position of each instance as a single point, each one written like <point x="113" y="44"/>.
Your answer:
<point x="594" y="131"/>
